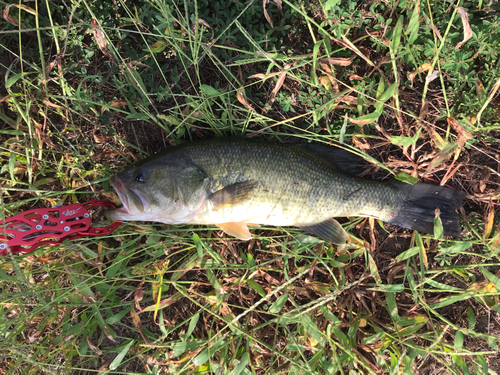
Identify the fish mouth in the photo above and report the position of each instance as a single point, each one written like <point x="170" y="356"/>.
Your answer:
<point x="133" y="202"/>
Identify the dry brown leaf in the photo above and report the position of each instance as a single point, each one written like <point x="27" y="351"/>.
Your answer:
<point x="111" y="197"/>
<point x="241" y="98"/>
<point x="341" y="61"/>
<point x="4" y="98"/>
<point x="325" y="81"/>
<point x="496" y="237"/>
<point x="346" y="43"/>
<point x="201" y="22"/>
<point x="44" y="138"/>
<point x="331" y="77"/>
<point x="438" y="34"/>
<point x="99" y="36"/>
<point x="92" y="346"/>
<point x="440" y="157"/>
<point x="423" y="68"/>
<point x="463" y="135"/>
<point x="483" y="286"/>
<point x="485" y="177"/>
<point x="424" y="110"/>
<point x="49" y="67"/>
<point x="50" y="104"/>
<point x="138" y="296"/>
<point x="117" y="103"/>
<point x="431" y="77"/>
<point x="136" y="319"/>
<point x="360" y="143"/>
<point x="465" y="22"/>
<point x="479" y="88"/>
<point x="101" y="138"/>
<point x="489" y="220"/>
<point x="379" y="35"/>
<point x="266" y="14"/>
<point x="348" y="99"/>
<point x="7" y="17"/>
<point x="104" y="368"/>
<point x="279" y="83"/>
<point x="355" y="77"/>
<point x="360" y="122"/>
<point x="264" y="76"/>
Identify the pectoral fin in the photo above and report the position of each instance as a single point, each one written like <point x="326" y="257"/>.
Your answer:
<point x="329" y="230"/>
<point x="238" y="230"/>
<point x="233" y="195"/>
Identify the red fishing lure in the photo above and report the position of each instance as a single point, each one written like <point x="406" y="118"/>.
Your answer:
<point x="51" y="226"/>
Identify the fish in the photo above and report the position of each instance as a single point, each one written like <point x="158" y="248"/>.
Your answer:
<point x="236" y="182"/>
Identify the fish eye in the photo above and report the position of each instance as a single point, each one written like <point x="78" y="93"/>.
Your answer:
<point x="139" y="177"/>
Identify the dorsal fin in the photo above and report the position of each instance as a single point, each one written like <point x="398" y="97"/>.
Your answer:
<point x="340" y="159"/>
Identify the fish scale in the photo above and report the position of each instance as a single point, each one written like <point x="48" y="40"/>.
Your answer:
<point x="234" y="182"/>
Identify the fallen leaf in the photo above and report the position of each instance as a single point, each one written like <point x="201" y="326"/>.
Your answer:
<point x="112" y="197"/>
<point x="117" y="103"/>
<point x="496" y="237"/>
<point x="92" y="346"/>
<point x="99" y="37"/>
<point x="483" y="286"/>
<point x="138" y="296"/>
<point x="341" y="61"/>
<point x="489" y="220"/>
<point x="7" y="17"/>
<point x="101" y="138"/>
<point x="104" y="368"/>
<point x="355" y="77"/>
<point x="438" y="34"/>
<point x="164" y="303"/>
<point x="440" y="157"/>
<point x="348" y="99"/>
<point x="423" y="68"/>
<point x="463" y="135"/>
<point x="50" y="104"/>
<point x="241" y="98"/>
<point x="44" y="138"/>
<point x="465" y="22"/>
<point x="424" y="110"/>
<point x="331" y="77"/>
<point x="366" y="119"/>
<point x="485" y="177"/>
<point x="431" y="77"/>
<point x="264" y="76"/>
<point x="264" y="2"/>
<point x="348" y="44"/>
<point x="136" y="319"/>
<point x="49" y="67"/>
<point x="201" y="22"/>
<point x="325" y="81"/>
<point x="279" y="83"/>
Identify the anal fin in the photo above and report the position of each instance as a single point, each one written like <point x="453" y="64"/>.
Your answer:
<point x="238" y="230"/>
<point x="329" y="230"/>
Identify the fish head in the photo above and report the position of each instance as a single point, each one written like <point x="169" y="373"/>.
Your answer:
<point x="158" y="191"/>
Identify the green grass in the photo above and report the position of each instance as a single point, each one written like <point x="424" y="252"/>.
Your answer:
<point x="152" y="298"/>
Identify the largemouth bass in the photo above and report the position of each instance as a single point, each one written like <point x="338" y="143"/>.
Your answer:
<point x="234" y="182"/>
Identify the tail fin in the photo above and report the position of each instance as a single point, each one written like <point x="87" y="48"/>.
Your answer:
<point x="417" y="211"/>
